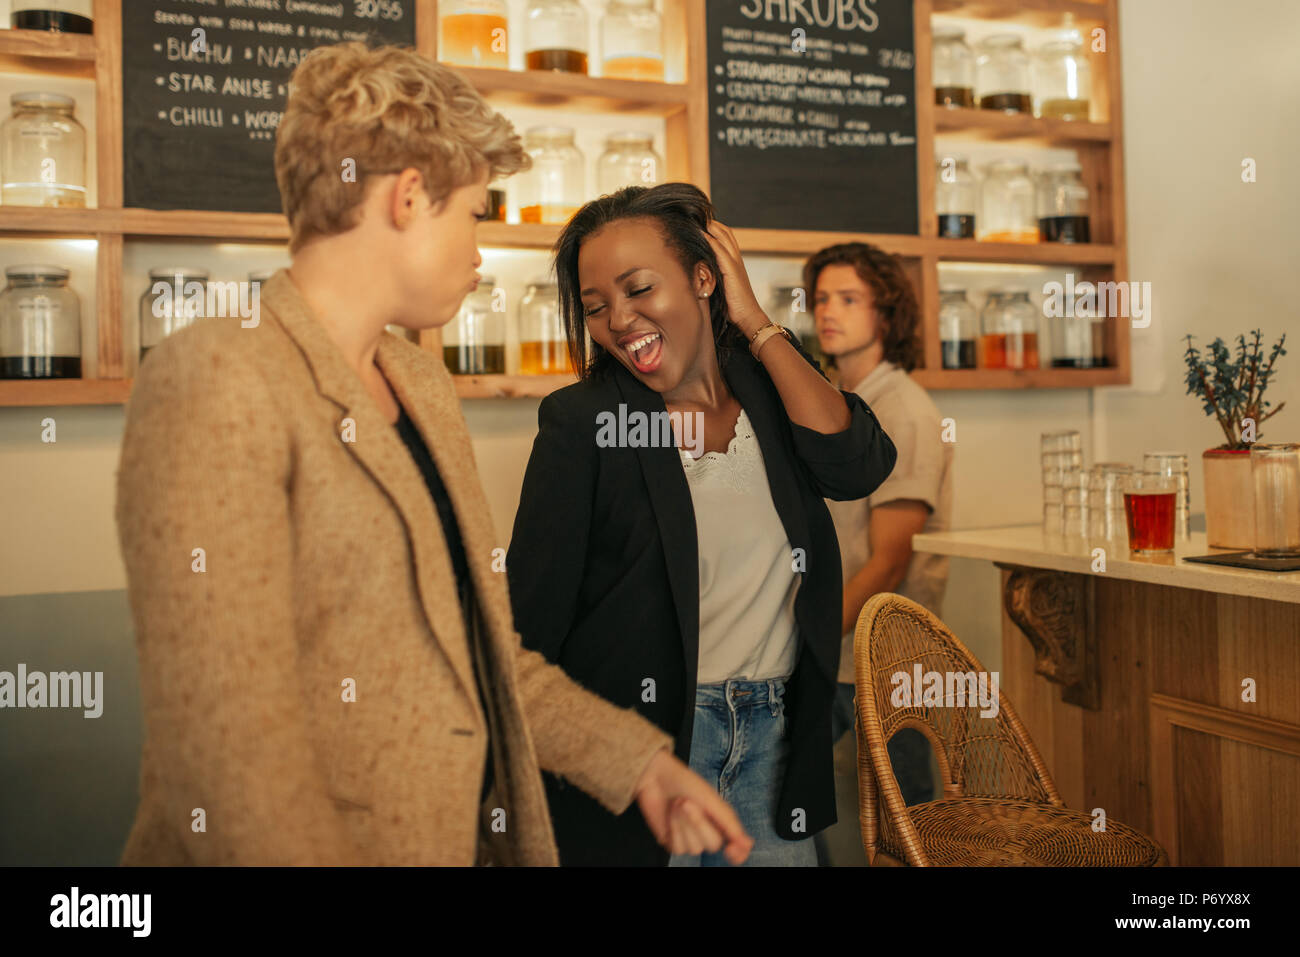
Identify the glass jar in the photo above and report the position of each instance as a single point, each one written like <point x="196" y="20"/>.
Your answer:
<point x="632" y="41"/>
<point x="474" y="33"/>
<point x="40" y="325"/>
<point x="543" y="345"/>
<point x="1008" y="204"/>
<point x="1008" y="330"/>
<point x="956" y="196"/>
<point x="1062" y="78"/>
<point x="555" y="36"/>
<point x="1002" y="74"/>
<point x="474" y="343"/>
<point x="958" y="329"/>
<point x="62" y="16"/>
<point x="1275" y="470"/>
<point x="629" y="160"/>
<point x="1071" y="338"/>
<point x="43" y="152"/>
<point x="553" y="189"/>
<point x="176" y="298"/>
<point x="1063" y="205"/>
<point x="953" y="67"/>
<point x="789" y="307"/>
<point x="496" y="204"/>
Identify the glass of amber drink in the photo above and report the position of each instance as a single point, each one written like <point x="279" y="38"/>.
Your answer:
<point x="1149" y="508"/>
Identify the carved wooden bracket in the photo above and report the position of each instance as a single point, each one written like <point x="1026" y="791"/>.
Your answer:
<point x="1055" y="611"/>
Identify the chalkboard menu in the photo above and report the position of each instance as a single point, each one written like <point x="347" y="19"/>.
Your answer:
<point x="204" y="85"/>
<point x="812" y="114"/>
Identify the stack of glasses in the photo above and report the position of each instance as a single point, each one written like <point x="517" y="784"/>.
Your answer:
<point x="1172" y="465"/>
<point x="1062" y="454"/>
<point x="1106" y="519"/>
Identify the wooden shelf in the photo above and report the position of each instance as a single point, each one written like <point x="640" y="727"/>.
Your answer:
<point x="950" y="379"/>
<point x="24" y="220"/>
<point x="30" y="392"/>
<point x="47" y="52"/>
<point x="684" y="107"/>
<point x="549" y="88"/>
<point x="1032" y="254"/>
<point x="971" y="123"/>
<point x="262" y="227"/>
<point x="1034" y="13"/>
<point x="509" y="386"/>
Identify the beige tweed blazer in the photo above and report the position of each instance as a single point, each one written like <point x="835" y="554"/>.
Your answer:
<point x="306" y="678"/>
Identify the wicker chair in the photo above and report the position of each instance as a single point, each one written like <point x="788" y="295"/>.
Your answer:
<point x="999" y="805"/>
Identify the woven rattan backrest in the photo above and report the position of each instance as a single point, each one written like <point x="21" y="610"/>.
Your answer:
<point x="979" y="756"/>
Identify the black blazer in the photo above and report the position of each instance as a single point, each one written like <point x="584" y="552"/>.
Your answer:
<point x="604" y="580"/>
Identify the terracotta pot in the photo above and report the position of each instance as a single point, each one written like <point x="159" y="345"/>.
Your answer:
<point x="1229" y="498"/>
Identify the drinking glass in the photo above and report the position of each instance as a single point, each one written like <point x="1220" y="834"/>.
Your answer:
<point x="1106" y="499"/>
<point x="1074" y="514"/>
<point x="1173" y="464"/>
<point x="1276" y="471"/>
<point x="1149" y="509"/>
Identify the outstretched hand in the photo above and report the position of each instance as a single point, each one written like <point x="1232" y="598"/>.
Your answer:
<point x="686" y="815"/>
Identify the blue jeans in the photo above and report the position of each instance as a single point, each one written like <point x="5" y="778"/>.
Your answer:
<point x="739" y="744"/>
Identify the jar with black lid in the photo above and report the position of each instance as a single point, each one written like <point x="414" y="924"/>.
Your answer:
<point x="40" y="324"/>
<point x="62" y="16"/>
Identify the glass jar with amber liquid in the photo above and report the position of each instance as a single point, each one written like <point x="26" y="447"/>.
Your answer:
<point x="543" y="346"/>
<point x="1008" y="331"/>
<point x="474" y="343"/>
<point x="632" y="41"/>
<point x="474" y="33"/>
<point x="555" y="36"/>
<point x="1002" y="75"/>
<point x="953" y="67"/>
<point x="1008" y="204"/>
<point x="1063" y="78"/>
<point x="554" y="188"/>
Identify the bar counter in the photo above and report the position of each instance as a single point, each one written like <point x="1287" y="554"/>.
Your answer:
<point x="1165" y="692"/>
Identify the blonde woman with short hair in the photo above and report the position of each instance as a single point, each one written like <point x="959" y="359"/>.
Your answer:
<point x="329" y="667"/>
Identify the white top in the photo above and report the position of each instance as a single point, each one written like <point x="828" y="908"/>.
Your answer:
<point x="923" y="472"/>
<point x="747" y="576"/>
<point x="1030" y="546"/>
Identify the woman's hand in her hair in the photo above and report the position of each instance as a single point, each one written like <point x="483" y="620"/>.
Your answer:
<point x="742" y="305"/>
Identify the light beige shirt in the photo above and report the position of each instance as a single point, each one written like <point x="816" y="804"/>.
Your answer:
<point x="923" y="472"/>
<point x="747" y="582"/>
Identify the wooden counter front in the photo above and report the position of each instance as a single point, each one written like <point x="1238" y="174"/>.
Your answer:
<point x="1167" y="694"/>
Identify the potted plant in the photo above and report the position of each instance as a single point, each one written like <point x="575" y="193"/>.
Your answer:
<point x="1231" y="388"/>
